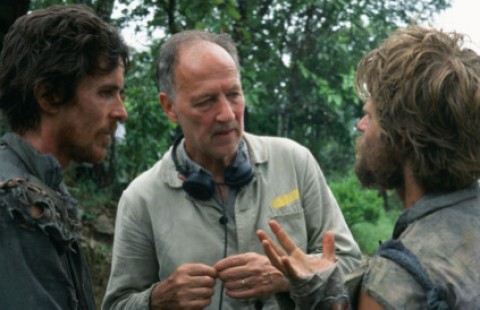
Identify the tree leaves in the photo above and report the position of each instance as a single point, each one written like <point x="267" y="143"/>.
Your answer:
<point x="298" y="63"/>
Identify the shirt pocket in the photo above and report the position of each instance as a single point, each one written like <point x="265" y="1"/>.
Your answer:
<point x="287" y="210"/>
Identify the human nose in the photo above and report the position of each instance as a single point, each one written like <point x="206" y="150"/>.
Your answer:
<point x="225" y="110"/>
<point x="119" y="111"/>
<point x="362" y="124"/>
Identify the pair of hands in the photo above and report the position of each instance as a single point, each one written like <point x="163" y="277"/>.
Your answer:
<point x="247" y="275"/>
<point x="191" y="286"/>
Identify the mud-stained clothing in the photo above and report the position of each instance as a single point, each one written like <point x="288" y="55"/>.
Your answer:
<point x="41" y="262"/>
<point x="443" y="231"/>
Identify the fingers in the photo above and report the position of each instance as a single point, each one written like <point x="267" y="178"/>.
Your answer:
<point x="264" y="237"/>
<point x="190" y="286"/>
<point x="272" y="254"/>
<point x="230" y="262"/>
<point x="242" y="265"/>
<point x="254" y="278"/>
<point x="283" y="238"/>
<point x="197" y="270"/>
<point x="257" y="286"/>
<point x="328" y="244"/>
<point x="291" y="270"/>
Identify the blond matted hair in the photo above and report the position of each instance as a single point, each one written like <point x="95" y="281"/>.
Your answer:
<point x="424" y="87"/>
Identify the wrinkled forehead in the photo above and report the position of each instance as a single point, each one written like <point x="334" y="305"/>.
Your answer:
<point x="194" y="55"/>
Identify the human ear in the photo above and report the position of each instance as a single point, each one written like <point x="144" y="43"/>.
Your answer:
<point x="46" y="98"/>
<point x="168" y="107"/>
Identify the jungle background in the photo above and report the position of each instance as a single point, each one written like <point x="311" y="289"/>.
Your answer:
<point x="298" y="63"/>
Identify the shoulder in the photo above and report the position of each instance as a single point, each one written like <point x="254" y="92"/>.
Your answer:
<point x="11" y="165"/>
<point x="448" y="252"/>
<point x="392" y="286"/>
<point x="271" y="141"/>
<point x="148" y="181"/>
<point x="153" y="186"/>
<point x="262" y="148"/>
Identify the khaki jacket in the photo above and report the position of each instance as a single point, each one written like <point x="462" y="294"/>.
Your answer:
<point x="159" y="226"/>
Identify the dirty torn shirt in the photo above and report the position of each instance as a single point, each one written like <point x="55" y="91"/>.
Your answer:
<point x="41" y="263"/>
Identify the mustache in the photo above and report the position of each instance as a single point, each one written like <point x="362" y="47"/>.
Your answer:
<point x="227" y="127"/>
<point x="113" y="127"/>
<point x="110" y="129"/>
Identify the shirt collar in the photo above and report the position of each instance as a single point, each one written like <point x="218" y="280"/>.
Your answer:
<point x="191" y="166"/>
<point x="43" y="166"/>
<point x="432" y="203"/>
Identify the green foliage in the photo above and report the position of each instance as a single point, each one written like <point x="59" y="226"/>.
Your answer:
<point x="298" y="58"/>
<point x="368" y="235"/>
<point x="357" y="204"/>
<point x="148" y="130"/>
<point x="298" y="64"/>
<point x="103" y="8"/>
<point x="98" y="256"/>
<point x="88" y="194"/>
<point x="364" y="211"/>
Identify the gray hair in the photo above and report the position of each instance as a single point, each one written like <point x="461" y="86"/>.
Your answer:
<point x="167" y="59"/>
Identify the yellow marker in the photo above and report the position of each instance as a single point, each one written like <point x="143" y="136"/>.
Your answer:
<point x="282" y="201"/>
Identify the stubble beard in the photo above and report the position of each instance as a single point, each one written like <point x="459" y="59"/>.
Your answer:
<point x="81" y="152"/>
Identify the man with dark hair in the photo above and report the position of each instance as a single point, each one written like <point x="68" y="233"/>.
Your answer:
<point x="421" y="137"/>
<point x="61" y="78"/>
<point x="185" y="231"/>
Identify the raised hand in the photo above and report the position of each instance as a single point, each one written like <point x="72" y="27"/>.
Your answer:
<point x="290" y="259"/>
<point x="191" y="286"/>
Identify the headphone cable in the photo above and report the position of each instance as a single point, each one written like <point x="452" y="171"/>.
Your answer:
<point x="223" y="220"/>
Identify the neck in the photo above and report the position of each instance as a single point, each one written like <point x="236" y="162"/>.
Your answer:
<point x="411" y="191"/>
<point x="43" y="142"/>
<point x="216" y="166"/>
<point x="217" y="169"/>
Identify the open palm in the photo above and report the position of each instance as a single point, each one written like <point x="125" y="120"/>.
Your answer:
<point x="291" y="260"/>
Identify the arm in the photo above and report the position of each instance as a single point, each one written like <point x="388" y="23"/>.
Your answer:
<point x="134" y="282"/>
<point x="322" y="213"/>
<point x="134" y="270"/>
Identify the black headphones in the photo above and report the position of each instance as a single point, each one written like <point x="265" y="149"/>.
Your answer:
<point x="200" y="184"/>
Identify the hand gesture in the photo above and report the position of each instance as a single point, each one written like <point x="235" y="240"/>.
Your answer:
<point x="291" y="260"/>
<point x="191" y="286"/>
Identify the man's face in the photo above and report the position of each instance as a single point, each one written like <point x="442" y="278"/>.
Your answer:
<point x="377" y="165"/>
<point x="209" y="103"/>
<point x="86" y="124"/>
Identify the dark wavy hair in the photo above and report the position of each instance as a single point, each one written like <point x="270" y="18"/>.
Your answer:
<point x="424" y="86"/>
<point x="55" y="47"/>
<point x="167" y="59"/>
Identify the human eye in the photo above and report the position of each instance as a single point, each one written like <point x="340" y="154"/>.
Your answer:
<point x="107" y="93"/>
<point x="110" y="94"/>
<point x="204" y="102"/>
<point x="234" y="95"/>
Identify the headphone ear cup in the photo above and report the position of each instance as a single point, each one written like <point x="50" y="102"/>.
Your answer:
<point x="199" y="185"/>
<point x="237" y="176"/>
